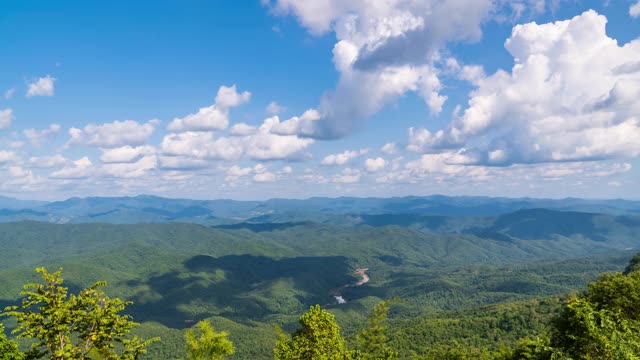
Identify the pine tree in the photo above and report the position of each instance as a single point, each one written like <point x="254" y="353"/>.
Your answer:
<point x="372" y="339"/>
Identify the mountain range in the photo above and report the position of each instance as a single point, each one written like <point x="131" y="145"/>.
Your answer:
<point x="246" y="265"/>
<point x="153" y="209"/>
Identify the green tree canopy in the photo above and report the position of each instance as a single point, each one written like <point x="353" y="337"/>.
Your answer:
<point x="372" y="339"/>
<point x="74" y="327"/>
<point x="634" y="265"/>
<point x="531" y="349"/>
<point x="203" y="343"/>
<point x="9" y="348"/>
<point x="604" y="323"/>
<point x="582" y="331"/>
<point x="318" y="339"/>
<point x="617" y="293"/>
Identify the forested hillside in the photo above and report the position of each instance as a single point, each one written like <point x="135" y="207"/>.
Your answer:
<point x="600" y="323"/>
<point x="470" y="288"/>
<point x="320" y="180"/>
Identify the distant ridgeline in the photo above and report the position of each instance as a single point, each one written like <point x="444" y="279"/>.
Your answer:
<point x="469" y="276"/>
<point x="399" y="211"/>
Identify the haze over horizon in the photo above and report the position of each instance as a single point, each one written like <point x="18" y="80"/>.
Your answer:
<point x="319" y="197"/>
<point x="293" y="99"/>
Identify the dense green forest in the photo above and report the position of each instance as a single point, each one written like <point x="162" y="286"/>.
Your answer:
<point x="454" y="289"/>
<point x="600" y="323"/>
<point x="467" y="273"/>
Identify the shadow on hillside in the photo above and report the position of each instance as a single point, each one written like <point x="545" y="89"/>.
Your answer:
<point x="4" y="303"/>
<point x="405" y="220"/>
<point x="545" y="224"/>
<point x="238" y="287"/>
<point x="8" y="322"/>
<point x="261" y="227"/>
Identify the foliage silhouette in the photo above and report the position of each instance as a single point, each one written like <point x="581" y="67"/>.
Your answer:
<point x="68" y="326"/>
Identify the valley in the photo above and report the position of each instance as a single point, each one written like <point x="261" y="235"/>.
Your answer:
<point x="247" y="276"/>
<point x="320" y="180"/>
<point x="337" y="293"/>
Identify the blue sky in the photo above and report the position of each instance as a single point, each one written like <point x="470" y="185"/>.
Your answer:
<point x="291" y="98"/>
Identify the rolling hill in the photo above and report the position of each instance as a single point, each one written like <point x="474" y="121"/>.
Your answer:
<point x="246" y="265"/>
<point x="247" y="276"/>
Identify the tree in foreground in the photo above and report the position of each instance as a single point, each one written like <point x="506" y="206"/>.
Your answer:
<point x="66" y="326"/>
<point x="583" y="331"/>
<point x="203" y="343"/>
<point x="531" y="349"/>
<point x="372" y="339"/>
<point x="318" y="339"/>
<point x="602" y="324"/>
<point x="634" y="265"/>
<point x="8" y="348"/>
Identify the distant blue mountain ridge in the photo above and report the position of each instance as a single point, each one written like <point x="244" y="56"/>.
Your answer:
<point x="153" y="209"/>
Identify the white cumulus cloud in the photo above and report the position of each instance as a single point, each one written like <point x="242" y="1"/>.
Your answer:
<point x="390" y="148"/>
<point x="77" y="169"/>
<point x="236" y="171"/>
<point x="570" y="96"/>
<point x="347" y="176"/>
<point x="114" y="134"/>
<point x="126" y="154"/>
<point x="386" y="49"/>
<point x="44" y="86"/>
<point x="634" y="10"/>
<point x="214" y="117"/>
<point x="255" y="143"/>
<point x="302" y="124"/>
<point x="267" y="145"/>
<point x="343" y="158"/>
<point x="202" y="145"/>
<point x="8" y="157"/>
<point x="38" y="137"/>
<point x="260" y="172"/>
<point x="274" y="108"/>
<point x="134" y="169"/>
<point x="46" y="162"/>
<point x="264" y="177"/>
<point x="375" y="165"/>
<point x="242" y="129"/>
